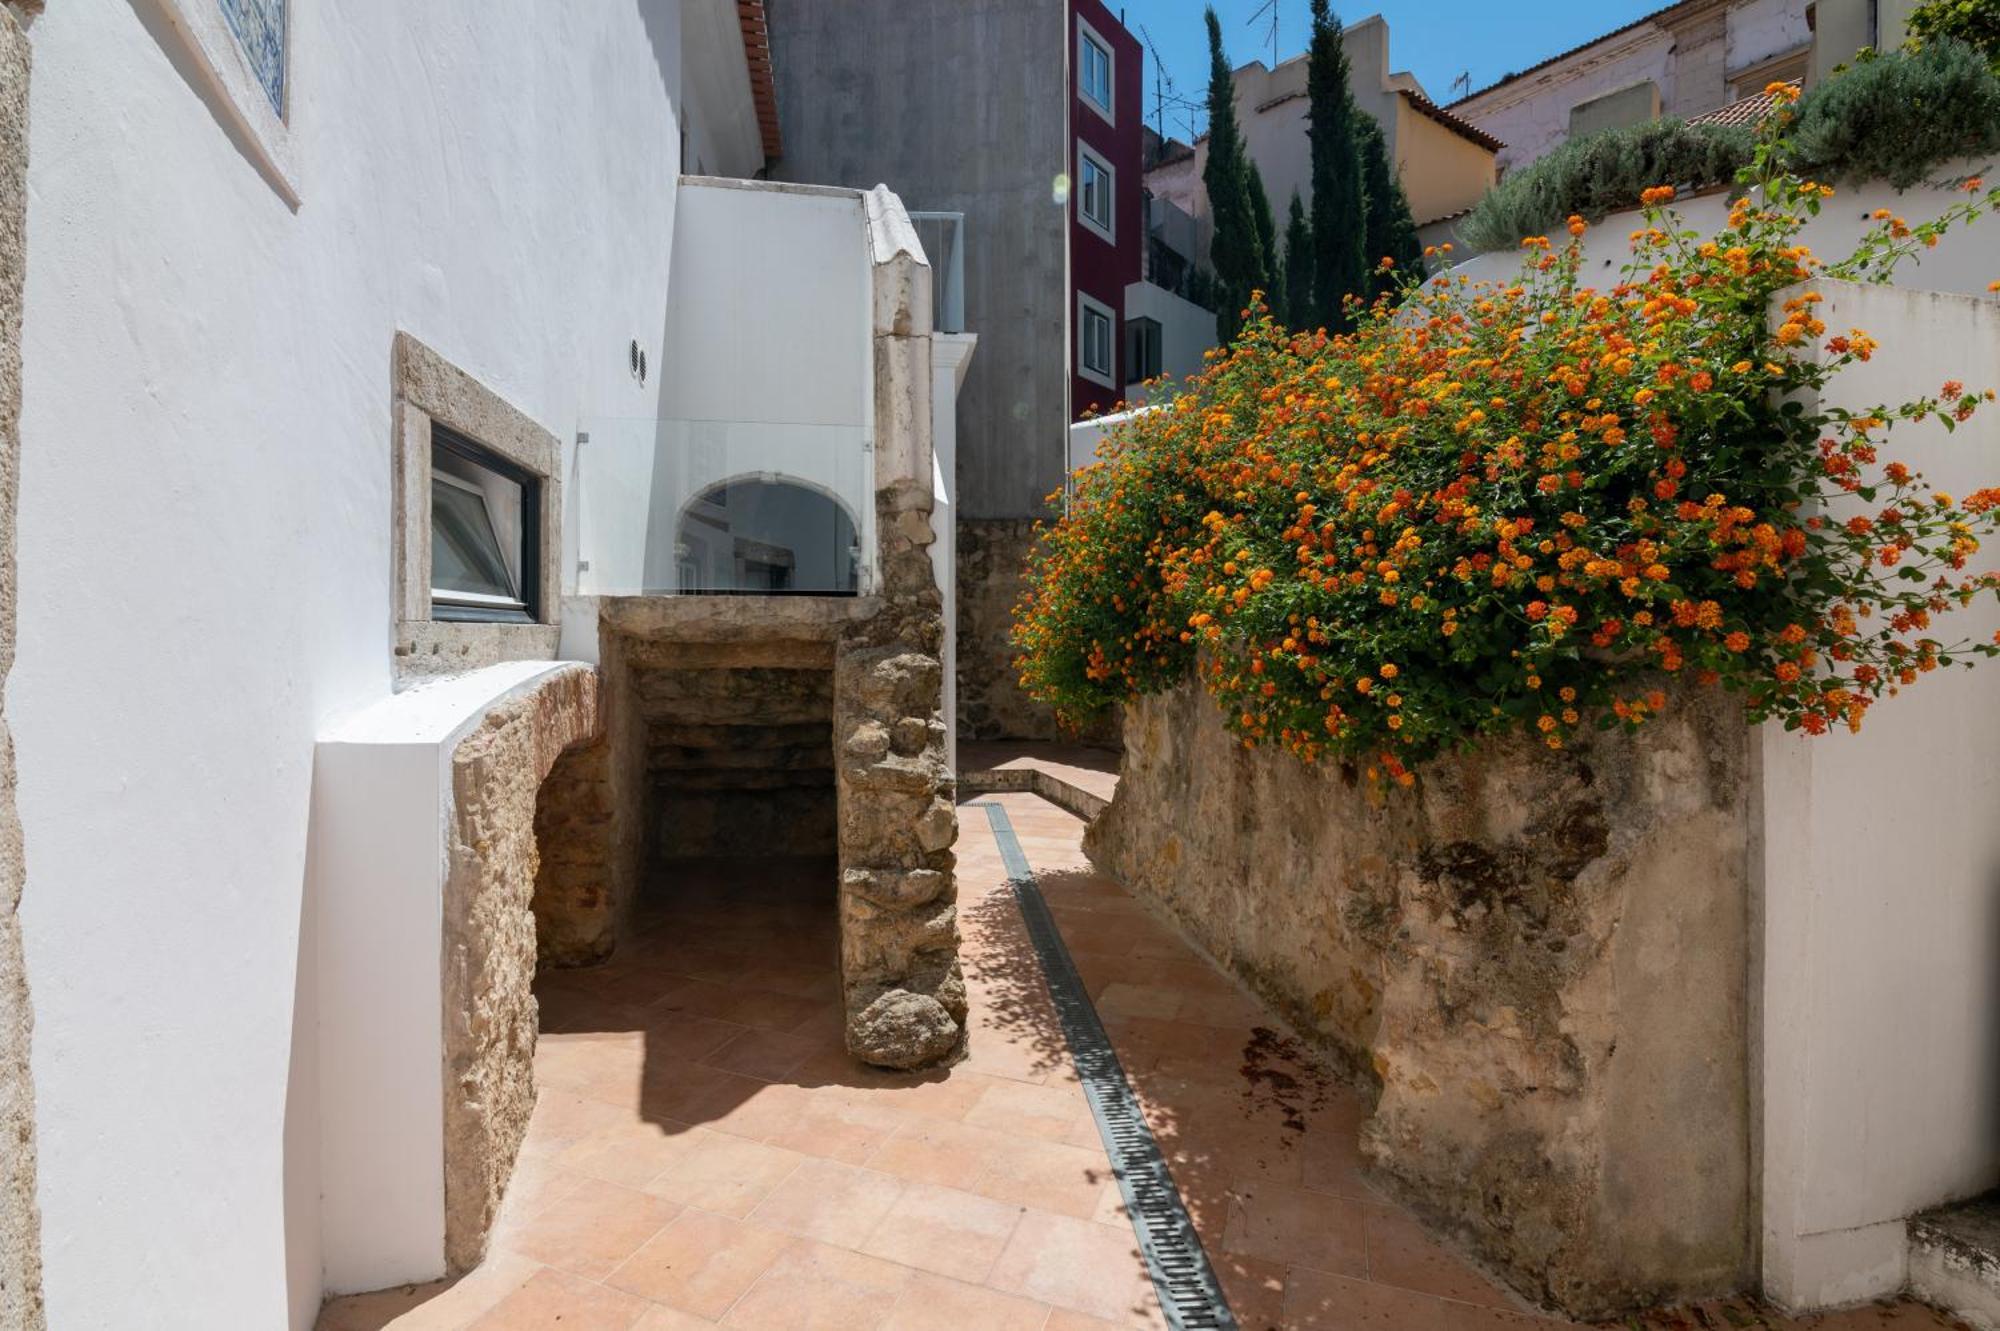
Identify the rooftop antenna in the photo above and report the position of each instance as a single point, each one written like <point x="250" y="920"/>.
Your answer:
<point x="1166" y="97"/>
<point x="1462" y="82"/>
<point x="1269" y="7"/>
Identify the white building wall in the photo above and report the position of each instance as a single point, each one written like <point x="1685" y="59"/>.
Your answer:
<point x="204" y="547"/>
<point x="1962" y="262"/>
<point x="1881" y="888"/>
<point x="1187" y="331"/>
<point x="1762" y="29"/>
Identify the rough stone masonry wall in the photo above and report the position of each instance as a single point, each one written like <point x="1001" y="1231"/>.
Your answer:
<point x="992" y="574"/>
<point x="489" y="944"/>
<point x="590" y="827"/>
<point x="904" y="993"/>
<point x="1540" y="959"/>
<point x="739" y="762"/>
<point x="20" y="1222"/>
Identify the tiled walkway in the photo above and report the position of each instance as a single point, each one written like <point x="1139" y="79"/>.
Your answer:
<point x="704" y="1153"/>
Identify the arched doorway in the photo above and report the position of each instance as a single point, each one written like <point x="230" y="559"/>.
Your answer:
<point x="767" y="535"/>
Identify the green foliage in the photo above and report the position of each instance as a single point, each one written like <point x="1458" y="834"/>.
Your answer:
<point x="1339" y="204"/>
<point x="1974" y="22"/>
<point x="1603" y="173"/>
<point x="1889" y="117"/>
<point x="1240" y="261"/>
<point x="1894" y="117"/>
<point x="1298" y="285"/>
<point x="1392" y="231"/>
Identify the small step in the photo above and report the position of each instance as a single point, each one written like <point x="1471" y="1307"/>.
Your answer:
<point x="1074" y="778"/>
<point x="1955" y="1260"/>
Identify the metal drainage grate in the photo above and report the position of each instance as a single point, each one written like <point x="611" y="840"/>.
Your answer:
<point x="1189" y="1295"/>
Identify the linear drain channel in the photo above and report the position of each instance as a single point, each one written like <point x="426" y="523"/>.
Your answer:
<point x="1189" y="1295"/>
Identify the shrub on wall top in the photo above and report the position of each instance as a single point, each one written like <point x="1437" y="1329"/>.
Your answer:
<point x="1603" y="173"/>
<point x="1893" y="117"/>
<point x="1520" y="505"/>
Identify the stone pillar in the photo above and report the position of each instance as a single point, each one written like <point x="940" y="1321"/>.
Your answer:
<point x="904" y="994"/>
<point x="20" y="1222"/>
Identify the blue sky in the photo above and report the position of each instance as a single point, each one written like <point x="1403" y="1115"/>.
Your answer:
<point x="1437" y="40"/>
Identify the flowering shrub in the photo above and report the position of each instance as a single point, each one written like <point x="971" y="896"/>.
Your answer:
<point x="1523" y="506"/>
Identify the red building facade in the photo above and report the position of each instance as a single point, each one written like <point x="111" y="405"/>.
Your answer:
<point x="1107" y="229"/>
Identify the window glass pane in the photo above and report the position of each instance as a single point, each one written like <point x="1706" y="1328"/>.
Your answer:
<point x="767" y="537"/>
<point x="1096" y="342"/>
<point x="1096" y="193"/>
<point x="465" y="550"/>
<point x="1096" y="69"/>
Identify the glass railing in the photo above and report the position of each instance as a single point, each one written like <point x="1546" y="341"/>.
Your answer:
<point x="747" y="508"/>
<point x="943" y="238"/>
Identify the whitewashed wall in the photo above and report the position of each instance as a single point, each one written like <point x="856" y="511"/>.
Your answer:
<point x="1882" y="889"/>
<point x="1963" y="261"/>
<point x="204" y="541"/>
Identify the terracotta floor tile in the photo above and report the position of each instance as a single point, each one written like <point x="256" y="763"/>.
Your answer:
<point x="1316" y="1301"/>
<point x="442" y="1305"/>
<point x="765" y="1055"/>
<point x="939" y="1151"/>
<point x="1075" y="1264"/>
<point x="631" y="1154"/>
<point x="1402" y="1253"/>
<point x="700" y="1263"/>
<point x="659" y="1318"/>
<point x="1048" y="1176"/>
<point x="1295" y="1225"/>
<point x="943" y="1230"/>
<point x="931" y="1302"/>
<point x="692" y="1092"/>
<point x="1255" y="1290"/>
<point x="724" y="1174"/>
<point x="679" y="1035"/>
<point x="1120" y="999"/>
<point x="555" y="1299"/>
<point x="562" y="1118"/>
<point x="1038" y="1111"/>
<point x="817" y="1287"/>
<point x="838" y="1129"/>
<point x="591" y="1230"/>
<point x="830" y="1201"/>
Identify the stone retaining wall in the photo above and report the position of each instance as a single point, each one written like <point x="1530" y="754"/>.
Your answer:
<point x="992" y="574"/>
<point x="1538" y="960"/>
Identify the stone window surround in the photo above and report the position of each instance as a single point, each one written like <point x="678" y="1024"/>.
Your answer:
<point x="428" y="387"/>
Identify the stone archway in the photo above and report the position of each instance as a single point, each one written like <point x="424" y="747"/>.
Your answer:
<point x="497" y="772"/>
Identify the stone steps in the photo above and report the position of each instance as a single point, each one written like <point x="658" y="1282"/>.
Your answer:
<point x="1955" y="1260"/>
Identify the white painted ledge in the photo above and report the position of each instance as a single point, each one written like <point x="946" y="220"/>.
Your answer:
<point x="376" y="865"/>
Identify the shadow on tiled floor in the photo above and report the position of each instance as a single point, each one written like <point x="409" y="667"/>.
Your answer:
<point x="704" y="1152"/>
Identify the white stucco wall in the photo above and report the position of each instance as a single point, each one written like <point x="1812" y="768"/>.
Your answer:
<point x="1186" y="330"/>
<point x="1882" y="889"/>
<point x="204" y="547"/>
<point x="1963" y="261"/>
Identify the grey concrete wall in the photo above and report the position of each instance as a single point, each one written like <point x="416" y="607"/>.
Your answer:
<point x="20" y="1223"/>
<point x="957" y="107"/>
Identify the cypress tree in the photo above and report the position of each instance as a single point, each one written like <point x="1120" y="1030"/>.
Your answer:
<point x="1238" y="260"/>
<point x="1298" y="286"/>
<point x="1273" y="283"/>
<point x="1339" y="208"/>
<point x="1391" y="231"/>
